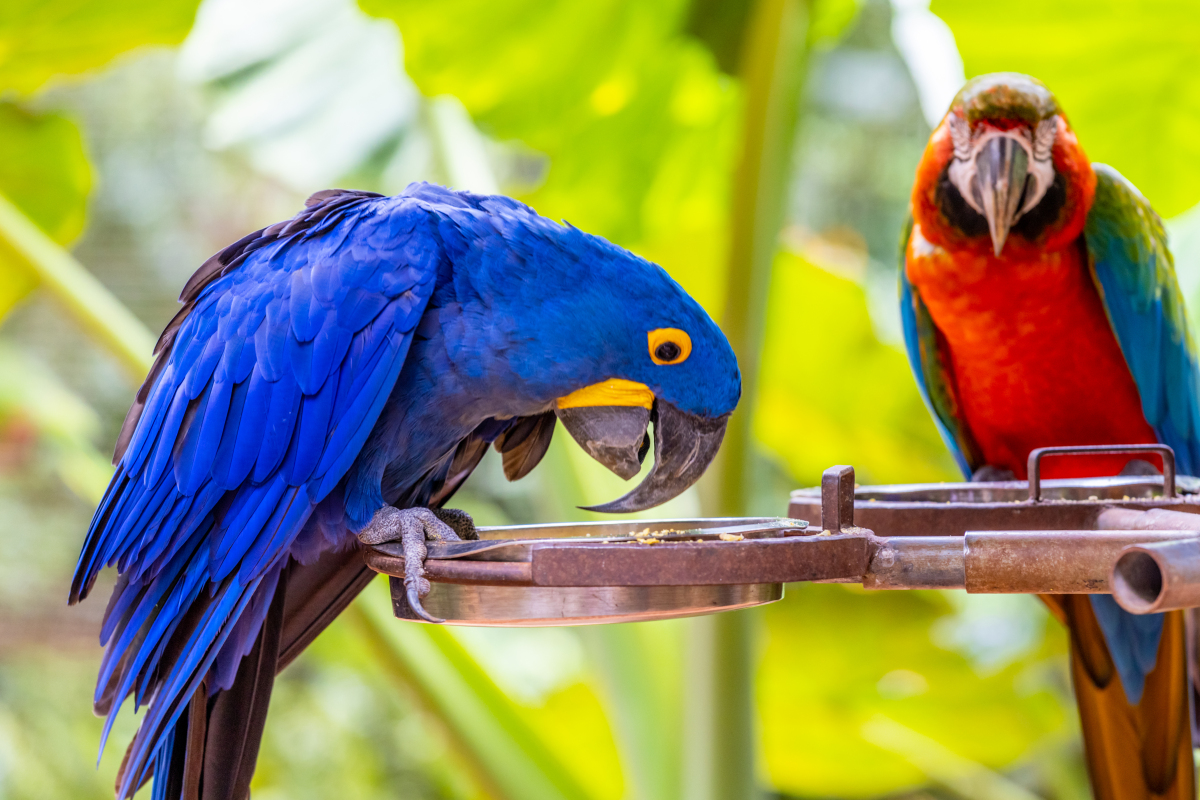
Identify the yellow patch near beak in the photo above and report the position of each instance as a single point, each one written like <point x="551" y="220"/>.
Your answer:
<point x="612" y="392"/>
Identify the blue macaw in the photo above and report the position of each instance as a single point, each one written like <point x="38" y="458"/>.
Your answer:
<point x="1040" y="307"/>
<point x="332" y="379"/>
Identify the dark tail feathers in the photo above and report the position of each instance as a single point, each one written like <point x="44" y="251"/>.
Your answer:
<point x="213" y="751"/>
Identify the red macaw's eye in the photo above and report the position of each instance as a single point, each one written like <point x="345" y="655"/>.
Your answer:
<point x="669" y="345"/>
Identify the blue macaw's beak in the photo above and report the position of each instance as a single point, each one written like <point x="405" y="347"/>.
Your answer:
<point x="610" y="421"/>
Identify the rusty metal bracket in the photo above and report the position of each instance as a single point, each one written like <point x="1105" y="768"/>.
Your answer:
<point x="837" y="498"/>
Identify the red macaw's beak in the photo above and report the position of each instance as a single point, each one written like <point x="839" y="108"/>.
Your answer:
<point x="610" y="420"/>
<point x="1001" y="169"/>
<point x="1002" y="174"/>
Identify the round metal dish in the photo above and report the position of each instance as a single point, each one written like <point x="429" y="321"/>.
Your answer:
<point x="593" y="573"/>
<point x="533" y="606"/>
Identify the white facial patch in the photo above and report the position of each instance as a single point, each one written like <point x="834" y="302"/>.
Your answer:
<point x="1038" y="147"/>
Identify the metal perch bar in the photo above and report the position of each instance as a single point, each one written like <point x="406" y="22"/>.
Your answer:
<point x="999" y="562"/>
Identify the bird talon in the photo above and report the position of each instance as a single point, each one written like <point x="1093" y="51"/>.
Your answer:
<point x="413" y="527"/>
<point x="412" y="594"/>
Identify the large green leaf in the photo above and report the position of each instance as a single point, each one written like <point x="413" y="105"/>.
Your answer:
<point x="637" y="121"/>
<point x="837" y="657"/>
<point x="832" y="393"/>
<point x="1126" y="73"/>
<point x="42" y="39"/>
<point x="45" y="172"/>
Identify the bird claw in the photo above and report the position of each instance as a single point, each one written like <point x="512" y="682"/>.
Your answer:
<point x="1138" y="467"/>
<point x="989" y="473"/>
<point x="412" y="527"/>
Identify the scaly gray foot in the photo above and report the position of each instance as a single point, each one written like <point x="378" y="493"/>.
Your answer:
<point x="412" y="527"/>
<point x="989" y="473"/>
<point x="1138" y="467"/>
<point x="460" y="521"/>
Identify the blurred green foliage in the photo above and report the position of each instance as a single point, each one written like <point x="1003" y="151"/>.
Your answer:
<point x="810" y="351"/>
<point x="837" y="657"/>
<point x="44" y="39"/>
<point x="47" y="175"/>
<point x="636" y="121"/>
<point x="45" y="171"/>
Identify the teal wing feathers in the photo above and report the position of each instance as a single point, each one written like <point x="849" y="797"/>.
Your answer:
<point x="1127" y="249"/>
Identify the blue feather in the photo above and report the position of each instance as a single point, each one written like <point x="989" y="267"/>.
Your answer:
<point x="1127" y="248"/>
<point x="223" y="459"/>
<point x="307" y="313"/>
<point x="277" y="433"/>
<point x="164" y="447"/>
<point x="271" y="339"/>
<point x="313" y="435"/>
<point x="189" y="472"/>
<point x="246" y="521"/>
<point x="249" y="436"/>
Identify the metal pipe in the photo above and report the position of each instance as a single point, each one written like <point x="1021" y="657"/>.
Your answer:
<point x="1156" y="519"/>
<point x="1159" y="576"/>
<point x="1004" y="562"/>
<point x="1048" y="562"/>
<point x="916" y="562"/>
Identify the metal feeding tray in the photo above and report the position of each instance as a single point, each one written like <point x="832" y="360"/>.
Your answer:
<point x="1122" y="535"/>
<point x="591" y="573"/>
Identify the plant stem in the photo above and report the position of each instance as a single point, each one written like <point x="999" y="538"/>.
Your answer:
<point x="719" y="741"/>
<point x="102" y="314"/>
<point x="720" y="731"/>
<point x="773" y="66"/>
<point x="505" y="755"/>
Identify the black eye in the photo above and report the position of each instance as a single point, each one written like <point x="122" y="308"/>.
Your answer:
<point x="667" y="351"/>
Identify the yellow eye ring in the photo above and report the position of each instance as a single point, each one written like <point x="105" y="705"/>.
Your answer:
<point x="669" y="345"/>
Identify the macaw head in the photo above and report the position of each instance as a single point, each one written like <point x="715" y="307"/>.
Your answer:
<point x="656" y="357"/>
<point x="609" y="343"/>
<point x="1004" y="167"/>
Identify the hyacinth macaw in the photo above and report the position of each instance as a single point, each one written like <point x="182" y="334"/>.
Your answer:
<point x="335" y="378"/>
<point x="1040" y="307"/>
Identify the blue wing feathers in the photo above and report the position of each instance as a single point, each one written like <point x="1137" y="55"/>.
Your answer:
<point x="223" y="459"/>
<point x="248" y="438"/>
<point x="265" y="391"/>
<point x="315" y="420"/>
<point x="277" y="433"/>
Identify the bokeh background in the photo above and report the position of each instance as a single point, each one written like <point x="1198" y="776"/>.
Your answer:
<point x="762" y="152"/>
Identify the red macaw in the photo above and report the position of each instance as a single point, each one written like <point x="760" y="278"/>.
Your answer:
<point x="1040" y="307"/>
